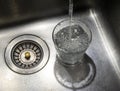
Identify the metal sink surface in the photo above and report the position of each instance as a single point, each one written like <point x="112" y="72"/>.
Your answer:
<point x="37" y="18"/>
<point x="103" y="50"/>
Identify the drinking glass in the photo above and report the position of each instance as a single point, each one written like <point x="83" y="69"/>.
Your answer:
<point x="71" y="39"/>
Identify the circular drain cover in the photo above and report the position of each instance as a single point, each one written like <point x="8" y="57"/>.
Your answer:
<point x="26" y="54"/>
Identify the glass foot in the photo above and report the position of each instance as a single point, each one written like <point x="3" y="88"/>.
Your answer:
<point x="75" y="76"/>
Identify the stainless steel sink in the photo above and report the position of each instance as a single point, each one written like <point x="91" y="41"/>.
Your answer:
<point x="104" y="49"/>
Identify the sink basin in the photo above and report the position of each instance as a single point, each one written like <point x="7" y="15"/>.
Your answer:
<point x="104" y="49"/>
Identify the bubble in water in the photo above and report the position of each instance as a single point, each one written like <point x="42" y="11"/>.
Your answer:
<point x="78" y="41"/>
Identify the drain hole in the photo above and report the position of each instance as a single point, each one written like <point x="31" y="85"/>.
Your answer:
<point x="27" y="54"/>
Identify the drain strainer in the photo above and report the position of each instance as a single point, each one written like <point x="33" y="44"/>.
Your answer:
<point x="26" y="54"/>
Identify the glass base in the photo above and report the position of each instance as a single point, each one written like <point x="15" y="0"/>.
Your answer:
<point x="75" y="76"/>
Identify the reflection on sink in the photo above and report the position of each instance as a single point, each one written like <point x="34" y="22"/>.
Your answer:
<point x="104" y="49"/>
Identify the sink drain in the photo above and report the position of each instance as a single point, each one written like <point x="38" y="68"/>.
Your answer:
<point x="26" y="54"/>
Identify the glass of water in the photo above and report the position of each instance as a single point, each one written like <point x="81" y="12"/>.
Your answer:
<point x="71" y="39"/>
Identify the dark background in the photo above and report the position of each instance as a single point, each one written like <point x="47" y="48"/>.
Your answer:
<point x="22" y="11"/>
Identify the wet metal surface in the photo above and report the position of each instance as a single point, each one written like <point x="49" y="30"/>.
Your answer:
<point x="103" y="50"/>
